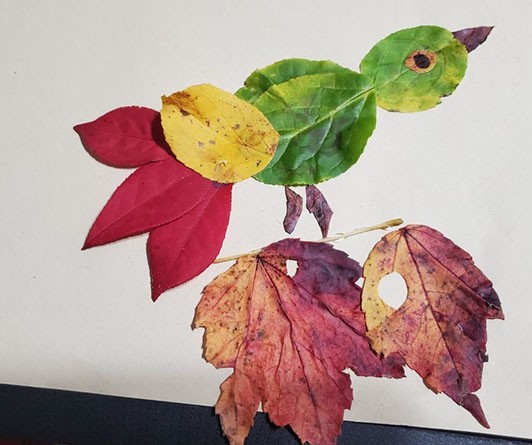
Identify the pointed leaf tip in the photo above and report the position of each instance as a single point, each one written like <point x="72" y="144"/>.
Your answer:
<point x="472" y="404"/>
<point x="471" y="38"/>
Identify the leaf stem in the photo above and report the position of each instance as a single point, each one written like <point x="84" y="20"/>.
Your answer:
<point x="329" y="239"/>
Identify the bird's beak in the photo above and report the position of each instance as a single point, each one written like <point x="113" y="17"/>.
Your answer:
<point x="473" y="37"/>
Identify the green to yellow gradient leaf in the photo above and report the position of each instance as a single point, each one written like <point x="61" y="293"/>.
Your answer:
<point x="324" y="114"/>
<point x="218" y="135"/>
<point x="414" y="68"/>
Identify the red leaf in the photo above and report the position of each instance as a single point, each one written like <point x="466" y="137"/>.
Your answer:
<point x="182" y="249"/>
<point x="288" y="339"/>
<point x="294" y="206"/>
<point x="319" y="207"/>
<point x="440" y="330"/>
<point x="155" y="194"/>
<point x="126" y="137"/>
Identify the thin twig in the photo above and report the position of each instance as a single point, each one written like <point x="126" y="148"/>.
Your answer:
<point x="236" y="257"/>
<point x="382" y="226"/>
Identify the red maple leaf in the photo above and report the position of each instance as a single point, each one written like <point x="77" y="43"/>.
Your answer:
<point x="289" y="339"/>
<point x="185" y="213"/>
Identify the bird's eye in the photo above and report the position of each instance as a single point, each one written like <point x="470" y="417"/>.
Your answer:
<point x="421" y="61"/>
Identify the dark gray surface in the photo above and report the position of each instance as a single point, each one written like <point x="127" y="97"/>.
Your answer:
<point x="79" y="418"/>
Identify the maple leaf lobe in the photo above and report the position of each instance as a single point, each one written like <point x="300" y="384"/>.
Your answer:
<point x="289" y="339"/>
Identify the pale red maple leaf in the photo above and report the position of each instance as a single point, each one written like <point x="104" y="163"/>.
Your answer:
<point x="289" y="339"/>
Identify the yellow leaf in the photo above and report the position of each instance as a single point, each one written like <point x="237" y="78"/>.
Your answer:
<point x="217" y="134"/>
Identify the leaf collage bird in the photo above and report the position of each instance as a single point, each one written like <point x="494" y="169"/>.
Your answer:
<point x="290" y="339"/>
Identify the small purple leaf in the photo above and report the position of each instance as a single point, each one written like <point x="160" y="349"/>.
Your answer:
<point x="472" y="37"/>
<point x="319" y="207"/>
<point x="294" y="207"/>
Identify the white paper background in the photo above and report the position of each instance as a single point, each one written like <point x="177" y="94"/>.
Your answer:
<point x="84" y="320"/>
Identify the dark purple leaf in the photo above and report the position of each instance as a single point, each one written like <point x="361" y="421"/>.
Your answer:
<point x="473" y="37"/>
<point x="294" y="206"/>
<point x="319" y="207"/>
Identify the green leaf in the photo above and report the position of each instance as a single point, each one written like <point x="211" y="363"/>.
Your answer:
<point x="414" y="68"/>
<point x="324" y="114"/>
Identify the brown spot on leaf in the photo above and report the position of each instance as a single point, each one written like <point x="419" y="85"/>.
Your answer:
<point x="421" y="61"/>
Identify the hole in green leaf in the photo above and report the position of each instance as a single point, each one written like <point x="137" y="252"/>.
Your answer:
<point x="393" y="290"/>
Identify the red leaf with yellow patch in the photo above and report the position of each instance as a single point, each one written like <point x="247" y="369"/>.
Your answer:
<point x="289" y="339"/>
<point x="440" y="330"/>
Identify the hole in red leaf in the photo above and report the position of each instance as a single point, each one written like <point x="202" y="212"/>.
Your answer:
<point x="393" y="290"/>
<point x="291" y="267"/>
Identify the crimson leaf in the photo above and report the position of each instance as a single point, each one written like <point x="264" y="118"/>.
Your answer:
<point x="125" y="137"/>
